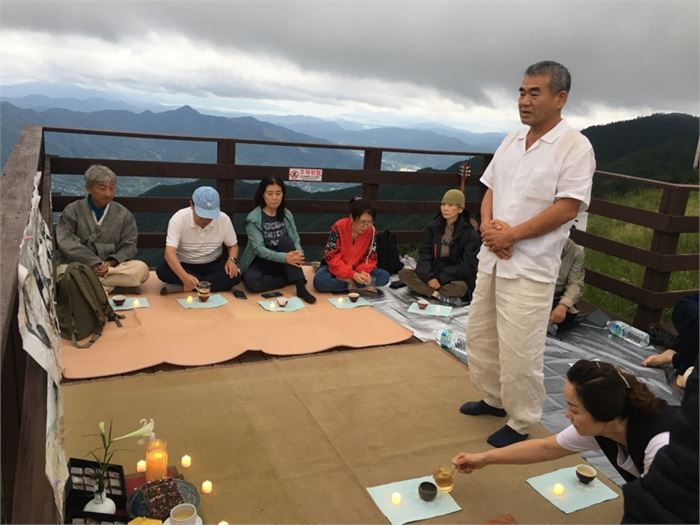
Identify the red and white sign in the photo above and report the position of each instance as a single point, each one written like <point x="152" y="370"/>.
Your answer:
<point x="305" y="174"/>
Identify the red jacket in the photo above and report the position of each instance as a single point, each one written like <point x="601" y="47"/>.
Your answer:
<point x="344" y="257"/>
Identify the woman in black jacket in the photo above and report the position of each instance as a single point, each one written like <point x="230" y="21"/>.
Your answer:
<point x="447" y="262"/>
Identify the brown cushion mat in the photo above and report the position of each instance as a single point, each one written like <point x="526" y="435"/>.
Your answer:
<point x="298" y="440"/>
<point x="168" y="333"/>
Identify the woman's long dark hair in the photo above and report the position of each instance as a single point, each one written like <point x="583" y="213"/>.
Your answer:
<point x="259" y="199"/>
<point x="607" y="392"/>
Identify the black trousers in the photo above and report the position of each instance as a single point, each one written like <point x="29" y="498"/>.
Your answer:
<point x="213" y="272"/>
<point x="685" y="320"/>
<point x="263" y="275"/>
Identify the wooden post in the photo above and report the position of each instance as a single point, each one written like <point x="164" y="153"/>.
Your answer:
<point x="372" y="162"/>
<point x="226" y="154"/>
<point x="673" y="202"/>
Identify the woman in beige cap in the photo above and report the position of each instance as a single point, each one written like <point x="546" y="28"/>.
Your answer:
<point x="446" y="269"/>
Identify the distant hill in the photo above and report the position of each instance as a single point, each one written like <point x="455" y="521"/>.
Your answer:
<point x="185" y="121"/>
<point x="660" y="146"/>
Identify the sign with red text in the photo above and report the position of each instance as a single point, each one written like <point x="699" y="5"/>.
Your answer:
<point x="306" y="174"/>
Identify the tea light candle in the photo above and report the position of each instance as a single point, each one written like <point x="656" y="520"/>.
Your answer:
<point x="207" y="487"/>
<point x="186" y="461"/>
<point x="190" y="299"/>
<point x="340" y="300"/>
<point x="223" y="523"/>
<point x="396" y="498"/>
<point x="273" y="305"/>
<point x="558" y="489"/>
<point x="136" y="303"/>
<point x="141" y="466"/>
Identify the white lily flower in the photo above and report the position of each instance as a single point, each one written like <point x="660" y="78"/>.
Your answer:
<point x="146" y="431"/>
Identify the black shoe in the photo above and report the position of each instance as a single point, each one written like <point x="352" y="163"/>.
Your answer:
<point x="304" y="295"/>
<point x="505" y="436"/>
<point x="481" y="408"/>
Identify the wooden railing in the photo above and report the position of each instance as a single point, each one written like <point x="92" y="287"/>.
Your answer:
<point x="24" y="486"/>
<point x="26" y="492"/>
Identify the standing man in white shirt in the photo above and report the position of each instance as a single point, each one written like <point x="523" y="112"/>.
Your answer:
<point x="540" y="178"/>
<point x="193" y="246"/>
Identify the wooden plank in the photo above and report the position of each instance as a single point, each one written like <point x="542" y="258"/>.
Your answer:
<point x="646" y="218"/>
<point x="631" y="292"/>
<point x="199" y="138"/>
<point x="143" y="168"/>
<point x="33" y="498"/>
<point x="16" y="188"/>
<point x="157" y="240"/>
<point x="644" y="182"/>
<point x="650" y="259"/>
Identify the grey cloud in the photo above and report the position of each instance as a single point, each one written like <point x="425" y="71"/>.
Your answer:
<point x="621" y="53"/>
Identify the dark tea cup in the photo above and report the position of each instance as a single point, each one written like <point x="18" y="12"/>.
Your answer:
<point x="354" y="296"/>
<point x="427" y="491"/>
<point x="119" y="299"/>
<point x="585" y="473"/>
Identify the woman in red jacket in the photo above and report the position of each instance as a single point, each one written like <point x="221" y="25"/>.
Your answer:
<point x="350" y="256"/>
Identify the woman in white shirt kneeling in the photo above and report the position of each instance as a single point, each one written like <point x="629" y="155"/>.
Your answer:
<point x="609" y="410"/>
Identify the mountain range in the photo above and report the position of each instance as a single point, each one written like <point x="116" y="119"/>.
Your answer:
<point x="659" y="146"/>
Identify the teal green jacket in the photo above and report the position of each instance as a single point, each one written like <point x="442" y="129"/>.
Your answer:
<point x="256" y="244"/>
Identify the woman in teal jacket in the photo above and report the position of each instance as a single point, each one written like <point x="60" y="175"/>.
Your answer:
<point x="273" y="257"/>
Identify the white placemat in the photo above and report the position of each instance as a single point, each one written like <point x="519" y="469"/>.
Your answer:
<point x="129" y="303"/>
<point x="433" y="310"/>
<point x="576" y="495"/>
<point x="215" y="300"/>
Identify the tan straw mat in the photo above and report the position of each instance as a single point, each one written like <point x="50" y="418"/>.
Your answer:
<point x="299" y="440"/>
<point x="168" y="333"/>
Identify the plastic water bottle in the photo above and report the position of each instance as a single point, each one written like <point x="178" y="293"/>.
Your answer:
<point x="628" y="333"/>
<point x="449" y="340"/>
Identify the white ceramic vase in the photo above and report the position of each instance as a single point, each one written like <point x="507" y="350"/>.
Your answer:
<point x="100" y="503"/>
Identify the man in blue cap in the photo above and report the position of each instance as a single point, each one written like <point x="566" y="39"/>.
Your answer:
<point x="193" y="246"/>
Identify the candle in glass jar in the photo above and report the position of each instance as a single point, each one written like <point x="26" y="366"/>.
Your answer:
<point x="207" y="487"/>
<point x="156" y="459"/>
<point x="186" y="461"/>
<point x="141" y="466"/>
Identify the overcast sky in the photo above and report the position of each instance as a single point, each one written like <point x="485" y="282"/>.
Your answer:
<point x="458" y="62"/>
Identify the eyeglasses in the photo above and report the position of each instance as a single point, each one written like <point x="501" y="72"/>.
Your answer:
<point x="365" y="223"/>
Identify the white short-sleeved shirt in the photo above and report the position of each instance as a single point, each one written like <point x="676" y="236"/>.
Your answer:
<point x="524" y="183"/>
<point x="570" y="439"/>
<point x="196" y="245"/>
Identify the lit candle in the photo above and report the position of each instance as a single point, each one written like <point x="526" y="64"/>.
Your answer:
<point x="223" y="523"/>
<point x="340" y="300"/>
<point x="190" y="299"/>
<point x="558" y="489"/>
<point x="396" y="498"/>
<point x="186" y="461"/>
<point x="273" y="305"/>
<point x="136" y="303"/>
<point x="141" y="466"/>
<point x="156" y="459"/>
<point x="207" y="487"/>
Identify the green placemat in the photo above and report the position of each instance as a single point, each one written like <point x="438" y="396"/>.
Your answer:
<point x="576" y="495"/>
<point x="293" y="304"/>
<point x="411" y="508"/>
<point x="434" y="310"/>
<point x="215" y="300"/>
<point x="129" y="303"/>
<point x="345" y="302"/>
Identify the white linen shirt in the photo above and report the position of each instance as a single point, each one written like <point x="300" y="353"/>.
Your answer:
<point x="524" y="183"/>
<point x="196" y="245"/>
<point x="571" y="440"/>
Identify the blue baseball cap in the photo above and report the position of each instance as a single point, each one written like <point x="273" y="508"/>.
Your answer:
<point x="206" y="202"/>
